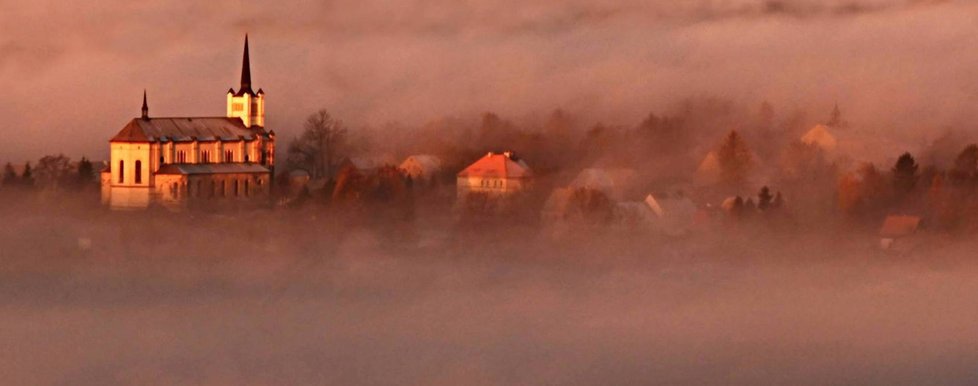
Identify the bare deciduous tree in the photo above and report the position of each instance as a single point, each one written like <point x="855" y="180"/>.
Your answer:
<point x="318" y="149"/>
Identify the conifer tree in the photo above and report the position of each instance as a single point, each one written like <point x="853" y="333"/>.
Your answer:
<point x="86" y="172"/>
<point x="9" y="175"/>
<point x="764" y="199"/>
<point x="735" y="159"/>
<point x="905" y="173"/>
<point x="966" y="165"/>
<point x="27" y="177"/>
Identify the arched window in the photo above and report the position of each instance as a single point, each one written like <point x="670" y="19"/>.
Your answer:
<point x="139" y="172"/>
<point x="246" y="158"/>
<point x="122" y="171"/>
<point x="162" y="161"/>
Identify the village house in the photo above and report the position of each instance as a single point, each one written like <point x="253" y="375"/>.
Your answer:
<point x="495" y="174"/>
<point x="422" y="168"/>
<point x="175" y="160"/>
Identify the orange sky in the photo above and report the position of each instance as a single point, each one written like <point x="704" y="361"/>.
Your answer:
<point x="73" y="72"/>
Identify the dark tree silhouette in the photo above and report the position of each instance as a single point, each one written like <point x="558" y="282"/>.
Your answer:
<point x="53" y="172"/>
<point x="27" y="176"/>
<point x="966" y="165"/>
<point x="764" y="199"/>
<point x="835" y="119"/>
<point x="735" y="160"/>
<point x="317" y="150"/>
<point x="9" y="175"/>
<point x="86" y="172"/>
<point x="905" y="173"/>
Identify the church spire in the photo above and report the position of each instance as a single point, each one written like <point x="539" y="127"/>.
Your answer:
<point x="245" y="69"/>
<point x="145" y="106"/>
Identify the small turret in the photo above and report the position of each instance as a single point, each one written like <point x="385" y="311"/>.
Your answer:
<point x="145" y="106"/>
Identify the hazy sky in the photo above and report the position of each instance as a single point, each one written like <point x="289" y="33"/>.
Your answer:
<point x="72" y="72"/>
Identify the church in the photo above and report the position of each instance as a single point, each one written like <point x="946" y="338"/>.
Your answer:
<point x="176" y="162"/>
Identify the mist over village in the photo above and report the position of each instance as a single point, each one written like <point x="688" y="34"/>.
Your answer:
<point x="489" y="193"/>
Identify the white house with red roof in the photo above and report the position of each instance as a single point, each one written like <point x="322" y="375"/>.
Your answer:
<point x="174" y="160"/>
<point x="496" y="174"/>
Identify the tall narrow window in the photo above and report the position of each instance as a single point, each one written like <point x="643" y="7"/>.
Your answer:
<point x="162" y="161"/>
<point x="228" y="156"/>
<point x="246" y="158"/>
<point x="122" y="172"/>
<point x="246" y="188"/>
<point x="139" y="172"/>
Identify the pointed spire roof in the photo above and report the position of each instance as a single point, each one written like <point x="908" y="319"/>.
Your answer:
<point x="245" y="69"/>
<point x="145" y="106"/>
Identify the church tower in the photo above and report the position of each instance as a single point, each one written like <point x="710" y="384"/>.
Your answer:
<point x="246" y="103"/>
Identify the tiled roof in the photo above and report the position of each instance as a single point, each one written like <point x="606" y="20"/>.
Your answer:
<point x="498" y="166"/>
<point x="228" y="168"/>
<point x="184" y="129"/>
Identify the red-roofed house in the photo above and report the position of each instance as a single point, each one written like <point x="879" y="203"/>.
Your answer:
<point x="496" y="174"/>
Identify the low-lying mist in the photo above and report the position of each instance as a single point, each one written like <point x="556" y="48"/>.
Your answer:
<point x="296" y="297"/>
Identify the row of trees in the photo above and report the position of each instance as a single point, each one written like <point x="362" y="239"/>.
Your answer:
<point x="947" y="198"/>
<point x="53" y="172"/>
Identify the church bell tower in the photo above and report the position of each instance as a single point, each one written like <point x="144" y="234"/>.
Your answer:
<point x="246" y="103"/>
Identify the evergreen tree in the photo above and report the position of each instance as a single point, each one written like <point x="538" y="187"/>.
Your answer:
<point x="735" y="159"/>
<point x="27" y="177"/>
<point x="86" y="172"/>
<point x="835" y="119"/>
<point x="966" y="165"/>
<point x="905" y="173"/>
<point x="9" y="175"/>
<point x="764" y="199"/>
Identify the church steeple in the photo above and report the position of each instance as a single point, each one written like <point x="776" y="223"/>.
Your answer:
<point x="246" y="103"/>
<point x="245" y="70"/>
<point x="145" y="106"/>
